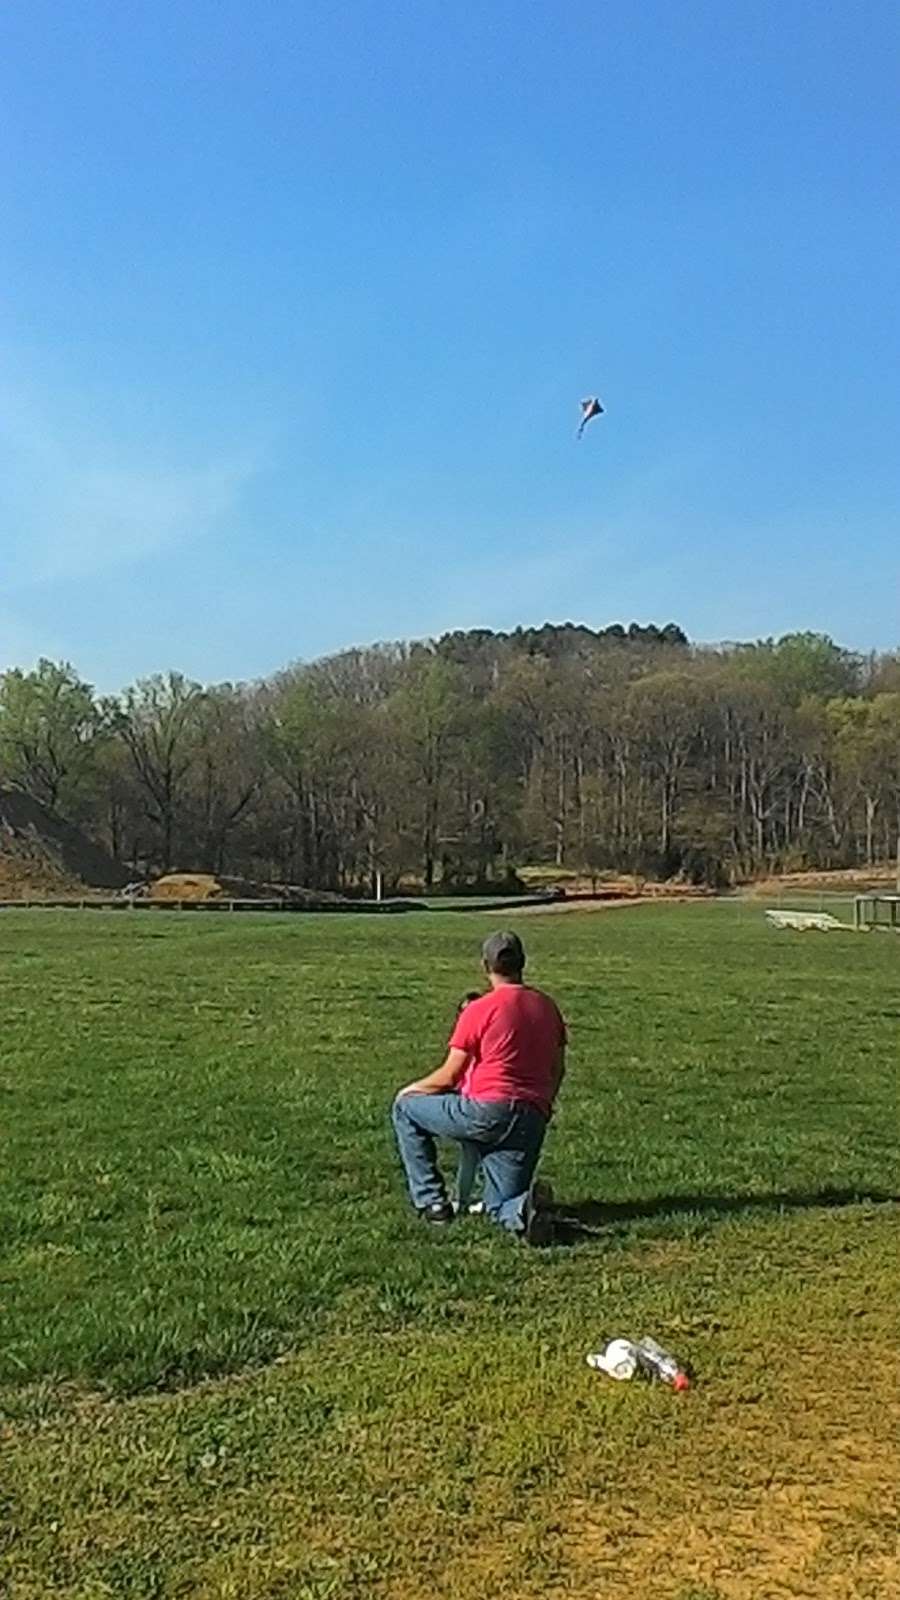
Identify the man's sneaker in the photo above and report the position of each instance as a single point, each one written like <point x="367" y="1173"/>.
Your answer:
<point x="538" y="1228"/>
<point x="542" y="1194"/>
<point x="437" y="1214"/>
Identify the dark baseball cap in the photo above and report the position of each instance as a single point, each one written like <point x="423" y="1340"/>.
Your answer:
<point x="503" y="953"/>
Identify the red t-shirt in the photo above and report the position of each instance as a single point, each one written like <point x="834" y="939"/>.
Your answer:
<point x="513" y="1035"/>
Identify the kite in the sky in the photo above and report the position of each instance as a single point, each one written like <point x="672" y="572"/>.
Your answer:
<point x="589" y="409"/>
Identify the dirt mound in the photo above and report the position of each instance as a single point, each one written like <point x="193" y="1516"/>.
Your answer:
<point x="203" y="886"/>
<point x="188" y="886"/>
<point x="27" y="874"/>
<point x="41" y="853"/>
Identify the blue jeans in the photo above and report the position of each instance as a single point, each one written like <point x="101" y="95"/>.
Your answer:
<point x="507" y="1133"/>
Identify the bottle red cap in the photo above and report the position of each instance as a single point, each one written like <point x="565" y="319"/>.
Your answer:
<point x="681" y="1382"/>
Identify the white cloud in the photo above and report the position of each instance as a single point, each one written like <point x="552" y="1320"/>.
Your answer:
<point x="74" y="505"/>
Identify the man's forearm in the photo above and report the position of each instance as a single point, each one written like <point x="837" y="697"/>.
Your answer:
<point x="437" y="1082"/>
<point x="444" y="1077"/>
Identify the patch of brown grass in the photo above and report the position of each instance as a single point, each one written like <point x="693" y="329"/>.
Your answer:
<point x="851" y="879"/>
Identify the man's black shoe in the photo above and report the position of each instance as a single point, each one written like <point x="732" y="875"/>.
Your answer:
<point x="539" y="1229"/>
<point x="438" y="1214"/>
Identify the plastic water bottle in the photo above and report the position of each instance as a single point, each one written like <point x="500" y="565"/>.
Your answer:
<point x="618" y="1359"/>
<point x="657" y="1363"/>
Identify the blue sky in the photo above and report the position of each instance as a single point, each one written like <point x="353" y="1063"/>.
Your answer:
<point x="297" y="303"/>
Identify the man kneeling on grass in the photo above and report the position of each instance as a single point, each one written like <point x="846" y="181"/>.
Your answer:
<point x="495" y="1090"/>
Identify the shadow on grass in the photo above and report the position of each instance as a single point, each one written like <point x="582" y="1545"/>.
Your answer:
<point x="584" y="1219"/>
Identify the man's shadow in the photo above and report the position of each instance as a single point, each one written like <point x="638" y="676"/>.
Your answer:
<point x="588" y="1219"/>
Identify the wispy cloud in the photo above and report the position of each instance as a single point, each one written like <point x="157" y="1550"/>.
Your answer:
<point x="74" y="504"/>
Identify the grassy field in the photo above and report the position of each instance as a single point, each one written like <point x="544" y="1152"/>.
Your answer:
<point x="234" y="1365"/>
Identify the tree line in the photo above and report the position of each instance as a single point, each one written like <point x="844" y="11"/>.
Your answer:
<point x="452" y="762"/>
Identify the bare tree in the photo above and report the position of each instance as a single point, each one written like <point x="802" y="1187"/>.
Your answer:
<point x="157" y="719"/>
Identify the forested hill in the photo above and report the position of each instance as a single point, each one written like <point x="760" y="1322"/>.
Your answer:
<point x="554" y="640"/>
<point x="453" y="761"/>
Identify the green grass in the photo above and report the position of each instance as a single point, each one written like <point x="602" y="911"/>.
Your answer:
<point x="234" y="1365"/>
